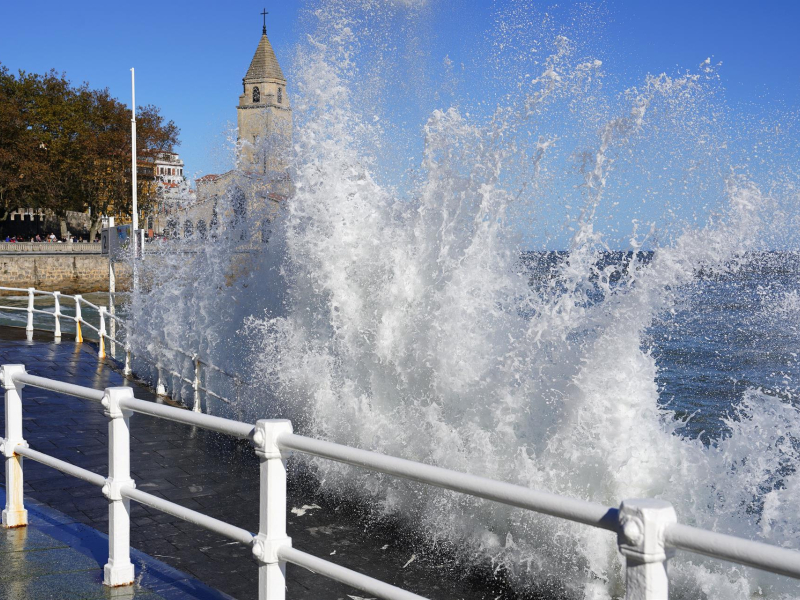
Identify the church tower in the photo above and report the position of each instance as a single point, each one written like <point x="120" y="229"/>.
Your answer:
<point x="264" y="113"/>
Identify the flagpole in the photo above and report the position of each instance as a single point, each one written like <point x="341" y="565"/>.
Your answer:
<point x="135" y="220"/>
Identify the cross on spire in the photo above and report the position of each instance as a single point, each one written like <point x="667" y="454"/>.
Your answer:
<point x="264" y="28"/>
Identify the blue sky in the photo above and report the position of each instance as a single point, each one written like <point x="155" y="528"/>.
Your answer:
<point x="190" y="56"/>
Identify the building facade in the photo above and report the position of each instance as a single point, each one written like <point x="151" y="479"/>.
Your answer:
<point x="247" y="197"/>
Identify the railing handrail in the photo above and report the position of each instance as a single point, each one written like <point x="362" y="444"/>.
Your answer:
<point x="647" y="529"/>
<point x="751" y="553"/>
<point x="54" y="385"/>
<point x="579" y="511"/>
<point x="103" y="335"/>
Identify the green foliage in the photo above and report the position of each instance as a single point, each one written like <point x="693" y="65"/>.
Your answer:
<point x="64" y="147"/>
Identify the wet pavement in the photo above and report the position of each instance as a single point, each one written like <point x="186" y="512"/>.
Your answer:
<point x="56" y="558"/>
<point x="215" y="475"/>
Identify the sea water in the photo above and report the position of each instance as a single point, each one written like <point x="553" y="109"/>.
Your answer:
<point x="485" y="292"/>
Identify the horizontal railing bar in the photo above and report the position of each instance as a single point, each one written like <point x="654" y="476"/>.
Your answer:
<point x="86" y="302"/>
<point x="90" y="326"/>
<point x="42" y="312"/>
<point x="52" y="294"/>
<point x="182" y="378"/>
<point x="214" y="395"/>
<point x="227" y="426"/>
<point x="119" y="320"/>
<point x="22" y="308"/>
<point x="13" y="289"/>
<point x="345" y="575"/>
<point x="59" y="386"/>
<point x="216" y="368"/>
<point x="115" y="340"/>
<point x="189" y="515"/>
<point x="727" y="547"/>
<point x="179" y="351"/>
<point x="192" y="356"/>
<point x="61" y="465"/>
<point x="572" y="509"/>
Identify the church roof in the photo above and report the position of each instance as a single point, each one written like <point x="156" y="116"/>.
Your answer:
<point x="264" y="64"/>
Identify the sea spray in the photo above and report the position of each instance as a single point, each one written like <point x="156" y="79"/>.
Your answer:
<point x="407" y="321"/>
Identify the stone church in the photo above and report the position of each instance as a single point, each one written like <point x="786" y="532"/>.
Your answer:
<point x="246" y="198"/>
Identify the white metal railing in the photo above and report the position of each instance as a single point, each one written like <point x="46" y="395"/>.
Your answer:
<point x="107" y="329"/>
<point x="647" y="530"/>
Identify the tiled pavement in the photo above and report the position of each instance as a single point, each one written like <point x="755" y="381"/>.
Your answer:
<point x="55" y="558"/>
<point x="210" y="473"/>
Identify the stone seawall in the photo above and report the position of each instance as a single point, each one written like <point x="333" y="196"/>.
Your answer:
<point x="71" y="273"/>
<point x="49" y="248"/>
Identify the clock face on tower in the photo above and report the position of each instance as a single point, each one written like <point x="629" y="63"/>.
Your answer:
<point x="256" y="95"/>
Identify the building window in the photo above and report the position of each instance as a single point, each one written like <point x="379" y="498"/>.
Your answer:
<point x="201" y="229"/>
<point x="280" y="96"/>
<point x="214" y="224"/>
<point x="188" y="228"/>
<point x="256" y="95"/>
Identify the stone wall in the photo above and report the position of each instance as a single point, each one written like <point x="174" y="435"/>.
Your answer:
<point x="71" y="273"/>
<point x="49" y="248"/>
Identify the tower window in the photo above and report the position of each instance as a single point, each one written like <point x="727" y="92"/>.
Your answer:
<point x="280" y="96"/>
<point x="256" y="95"/>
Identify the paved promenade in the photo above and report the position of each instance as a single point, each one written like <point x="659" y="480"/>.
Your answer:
<point x="56" y="558"/>
<point x="213" y="474"/>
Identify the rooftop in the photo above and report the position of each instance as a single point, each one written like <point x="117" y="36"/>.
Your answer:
<point x="264" y="64"/>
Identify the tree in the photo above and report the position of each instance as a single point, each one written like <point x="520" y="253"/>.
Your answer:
<point x="66" y="148"/>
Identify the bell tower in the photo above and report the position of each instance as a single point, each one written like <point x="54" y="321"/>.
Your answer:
<point x="264" y="113"/>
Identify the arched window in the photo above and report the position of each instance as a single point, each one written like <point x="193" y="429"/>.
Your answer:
<point x="214" y="224"/>
<point x="239" y="205"/>
<point x="171" y="230"/>
<point x="280" y="96"/>
<point x="201" y="229"/>
<point x="188" y="228"/>
<point x="256" y="95"/>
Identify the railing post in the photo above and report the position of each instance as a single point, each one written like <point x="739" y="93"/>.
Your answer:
<point x="196" y="384"/>
<point x="127" y="369"/>
<point x="272" y="510"/>
<point x="14" y="514"/>
<point x="29" y="326"/>
<point x="101" y="349"/>
<point x="78" y="319"/>
<point x="642" y="523"/>
<point x="112" y="325"/>
<point x="119" y="569"/>
<point x="161" y="389"/>
<point x="57" y="315"/>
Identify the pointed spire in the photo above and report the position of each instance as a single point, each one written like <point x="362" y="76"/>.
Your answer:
<point x="264" y="64"/>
